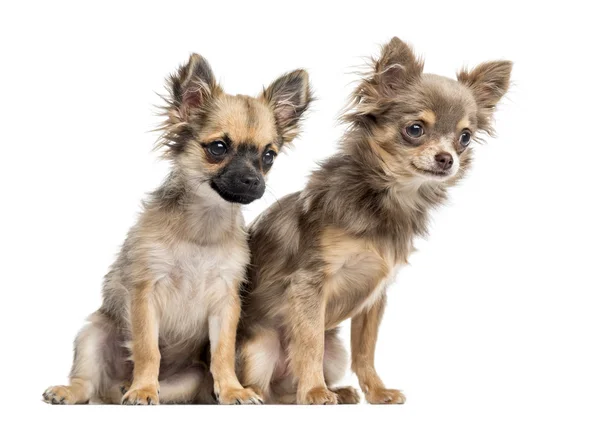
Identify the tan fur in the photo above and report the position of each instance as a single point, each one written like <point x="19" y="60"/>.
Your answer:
<point x="223" y="354"/>
<point x="145" y="352"/>
<point x="174" y="288"/>
<point x="351" y="264"/>
<point x="428" y="117"/>
<point x="243" y="119"/>
<point x="258" y="359"/>
<point x="363" y="339"/>
<point x="465" y="123"/>
<point x="328" y="253"/>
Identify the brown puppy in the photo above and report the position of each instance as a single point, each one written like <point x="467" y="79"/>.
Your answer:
<point x="327" y="253"/>
<point x="175" y="285"/>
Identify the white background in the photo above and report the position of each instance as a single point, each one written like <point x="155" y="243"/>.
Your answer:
<point x="498" y="315"/>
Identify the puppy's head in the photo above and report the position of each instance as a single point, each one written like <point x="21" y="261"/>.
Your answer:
<point x="421" y="125"/>
<point x="230" y="142"/>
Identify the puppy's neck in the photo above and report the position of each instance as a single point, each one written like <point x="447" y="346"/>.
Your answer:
<point x="353" y="190"/>
<point x="195" y="212"/>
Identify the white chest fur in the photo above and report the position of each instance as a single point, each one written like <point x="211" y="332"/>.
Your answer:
<point x="193" y="279"/>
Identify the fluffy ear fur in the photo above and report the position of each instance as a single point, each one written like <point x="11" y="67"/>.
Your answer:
<point x="289" y="97"/>
<point x="191" y="88"/>
<point x="396" y="68"/>
<point x="488" y="83"/>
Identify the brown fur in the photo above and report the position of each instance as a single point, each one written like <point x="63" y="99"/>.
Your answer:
<point x="327" y="253"/>
<point x="174" y="288"/>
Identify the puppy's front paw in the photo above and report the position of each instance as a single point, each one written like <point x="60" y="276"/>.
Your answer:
<point x="385" y="396"/>
<point x="318" y="396"/>
<point x="59" y="395"/>
<point x="147" y="395"/>
<point x="238" y="396"/>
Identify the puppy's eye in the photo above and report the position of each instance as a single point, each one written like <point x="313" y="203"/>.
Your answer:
<point x="217" y="148"/>
<point x="268" y="158"/>
<point x="415" y="130"/>
<point x="465" y="138"/>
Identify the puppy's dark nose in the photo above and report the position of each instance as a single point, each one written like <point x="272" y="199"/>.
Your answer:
<point x="252" y="181"/>
<point x="444" y="160"/>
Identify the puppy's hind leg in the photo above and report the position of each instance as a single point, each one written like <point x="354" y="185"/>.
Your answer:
<point x="88" y="366"/>
<point x="193" y="385"/>
<point x="335" y="365"/>
<point x="259" y="357"/>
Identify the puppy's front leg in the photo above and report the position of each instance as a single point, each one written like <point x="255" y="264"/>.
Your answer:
<point x="307" y="321"/>
<point x="363" y="339"/>
<point x="222" y="328"/>
<point x="146" y="355"/>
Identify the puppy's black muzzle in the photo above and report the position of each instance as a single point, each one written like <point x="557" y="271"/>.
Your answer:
<point x="239" y="185"/>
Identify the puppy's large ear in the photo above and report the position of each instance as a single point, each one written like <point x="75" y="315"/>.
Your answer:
<point x="397" y="67"/>
<point x="488" y="83"/>
<point x="191" y="89"/>
<point x="192" y="86"/>
<point x="289" y="97"/>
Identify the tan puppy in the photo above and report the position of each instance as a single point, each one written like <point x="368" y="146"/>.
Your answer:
<point x="175" y="285"/>
<point x="327" y="253"/>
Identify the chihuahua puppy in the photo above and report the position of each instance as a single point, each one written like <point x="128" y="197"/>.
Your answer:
<point x="327" y="253"/>
<point x="175" y="284"/>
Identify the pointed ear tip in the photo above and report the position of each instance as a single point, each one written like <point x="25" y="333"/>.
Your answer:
<point x="509" y="64"/>
<point x="299" y="73"/>
<point x="502" y="64"/>
<point x="504" y="70"/>
<point x="197" y="58"/>
<point x="194" y="58"/>
<point x="396" y="48"/>
<point x="295" y="76"/>
<point x="396" y="42"/>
